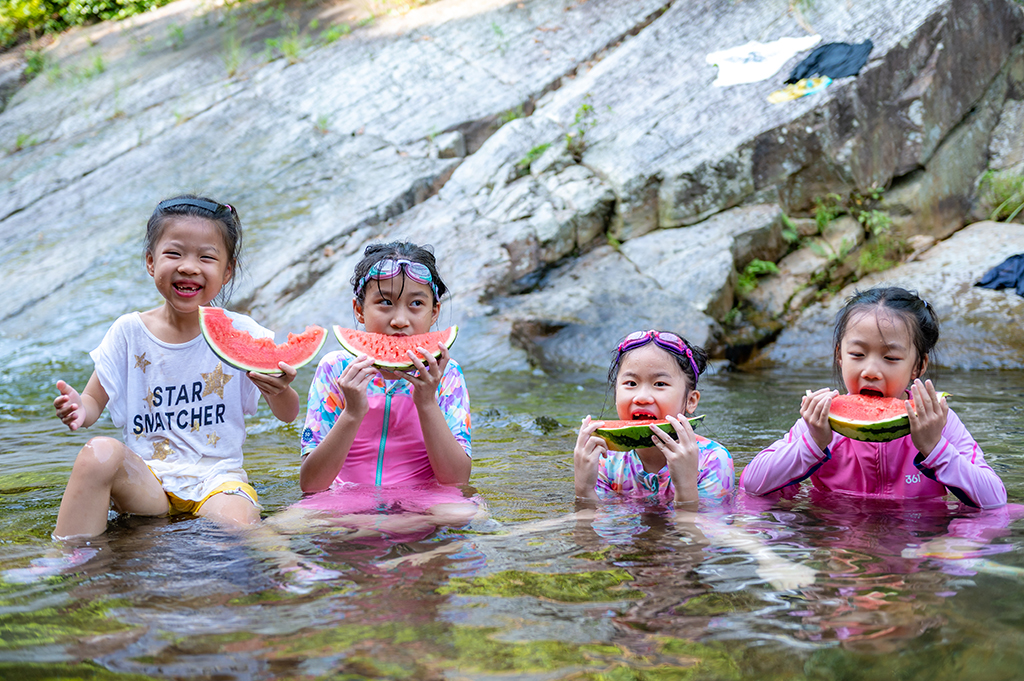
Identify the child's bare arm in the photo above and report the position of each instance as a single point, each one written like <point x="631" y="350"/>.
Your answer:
<point x="451" y="464"/>
<point x="276" y="389"/>
<point x="321" y="466"/>
<point x="80" y="410"/>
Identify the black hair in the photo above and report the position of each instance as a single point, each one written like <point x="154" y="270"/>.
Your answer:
<point x="396" y="250"/>
<point x="915" y="312"/>
<point x="190" y="205"/>
<point x="700" y="360"/>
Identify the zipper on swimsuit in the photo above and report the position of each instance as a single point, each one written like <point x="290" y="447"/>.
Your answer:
<point x="388" y="393"/>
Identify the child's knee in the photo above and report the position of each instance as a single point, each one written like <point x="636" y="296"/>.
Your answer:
<point x="100" y="457"/>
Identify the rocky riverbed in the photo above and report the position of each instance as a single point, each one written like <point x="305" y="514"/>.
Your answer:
<point x="572" y="163"/>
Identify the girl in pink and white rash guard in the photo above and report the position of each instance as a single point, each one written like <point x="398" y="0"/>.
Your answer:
<point x="882" y="340"/>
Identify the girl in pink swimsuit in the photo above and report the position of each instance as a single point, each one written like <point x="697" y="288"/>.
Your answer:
<point x="882" y="340"/>
<point x="390" y="442"/>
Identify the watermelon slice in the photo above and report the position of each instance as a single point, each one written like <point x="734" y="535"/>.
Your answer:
<point x="390" y="353"/>
<point x="261" y="355"/>
<point x="623" y="436"/>
<point x="870" y="419"/>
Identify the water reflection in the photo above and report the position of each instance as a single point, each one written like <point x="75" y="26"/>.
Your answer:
<point x="540" y="591"/>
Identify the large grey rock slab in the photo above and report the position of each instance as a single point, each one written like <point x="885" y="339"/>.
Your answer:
<point x="979" y="328"/>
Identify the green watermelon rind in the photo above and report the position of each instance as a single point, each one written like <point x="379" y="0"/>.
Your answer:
<point x="884" y="430"/>
<point x="226" y="357"/>
<point x="625" y="438"/>
<point x="341" y="333"/>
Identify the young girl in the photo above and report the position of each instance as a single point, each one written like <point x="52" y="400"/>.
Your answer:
<point x="654" y="375"/>
<point x="882" y="340"/>
<point x="181" y="408"/>
<point x="368" y="431"/>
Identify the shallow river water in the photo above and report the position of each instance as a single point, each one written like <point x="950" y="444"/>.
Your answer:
<point x="815" y="589"/>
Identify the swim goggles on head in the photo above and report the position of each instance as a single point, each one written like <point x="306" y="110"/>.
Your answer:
<point x="390" y="268"/>
<point x="667" y="341"/>
<point x="196" y="203"/>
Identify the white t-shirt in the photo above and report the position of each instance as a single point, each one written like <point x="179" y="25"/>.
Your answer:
<point x="180" y="407"/>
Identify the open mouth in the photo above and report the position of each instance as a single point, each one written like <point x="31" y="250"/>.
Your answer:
<point x="871" y="392"/>
<point x="187" y="288"/>
<point x="643" y="416"/>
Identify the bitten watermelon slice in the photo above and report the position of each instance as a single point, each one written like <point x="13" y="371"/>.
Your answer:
<point x="623" y="436"/>
<point x="870" y="419"/>
<point x="242" y="351"/>
<point x="390" y="353"/>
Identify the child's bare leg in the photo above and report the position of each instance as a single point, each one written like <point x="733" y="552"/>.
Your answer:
<point x="104" y="470"/>
<point x="232" y="510"/>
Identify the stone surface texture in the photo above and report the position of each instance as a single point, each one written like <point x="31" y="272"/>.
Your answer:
<point x="575" y="170"/>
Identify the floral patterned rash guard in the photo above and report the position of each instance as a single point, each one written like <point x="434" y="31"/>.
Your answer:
<point x="622" y="473"/>
<point x="389" y="447"/>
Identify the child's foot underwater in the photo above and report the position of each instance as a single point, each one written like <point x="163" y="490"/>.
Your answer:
<point x="51" y="566"/>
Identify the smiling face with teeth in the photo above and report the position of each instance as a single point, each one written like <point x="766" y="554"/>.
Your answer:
<point x="651" y="385"/>
<point x="189" y="264"/>
<point x="877" y="355"/>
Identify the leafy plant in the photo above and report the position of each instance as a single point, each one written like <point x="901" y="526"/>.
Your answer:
<point x="576" y="138"/>
<point x="523" y="164"/>
<point x="36" y="62"/>
<point x="321" y="125"/>
<point x="1007" y="191"/>
<point x="334" y="33"/>
<point x="175" y="36"/>
<point x="20" y="19"/>
<point x="790" y="234"/>
<point x="747" y="281"/>
<point x="826" y="209"/>
<point x="511" y="115"/>
<point x="232" y="53"/>
<point x="23" y="141"/>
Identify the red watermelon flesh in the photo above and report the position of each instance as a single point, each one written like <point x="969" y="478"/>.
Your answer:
<point x="869" y="418"/>
<point x="262" y="355"/>
<point x="391" y="352"/>
<point x="622" y="436"/>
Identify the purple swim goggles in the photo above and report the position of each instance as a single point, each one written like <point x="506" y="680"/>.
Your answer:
<point x="667" y="341"/>
<point x="389" y="268"/>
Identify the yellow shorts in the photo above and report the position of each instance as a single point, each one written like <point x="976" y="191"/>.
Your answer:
<point x="241" y="489"/>
<point x="179" y="505"/>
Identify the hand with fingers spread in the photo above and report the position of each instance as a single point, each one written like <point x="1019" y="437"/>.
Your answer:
<point x="586" y="458"/>
<point x="814" y="408"/>
<point x="682" y="456"/>
<point x="426" y="376"/>
<point x="927" y="416"/>
<point x="353" y="381"/>
<point x="68" y="404"/>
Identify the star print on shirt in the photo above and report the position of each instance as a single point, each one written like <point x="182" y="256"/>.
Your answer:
<point x="149" y="399"/>
<point x="212" y="439"/>
<point x="215" y="381"/>
<point x="162" y="449"/>
<point x="141" y="362"/>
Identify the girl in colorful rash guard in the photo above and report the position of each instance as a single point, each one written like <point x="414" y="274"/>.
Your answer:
<point x="390" y="442"/>
<point x="182" y="410"/>
<point x="655" y="375"/>
<point x="882" y="340"/>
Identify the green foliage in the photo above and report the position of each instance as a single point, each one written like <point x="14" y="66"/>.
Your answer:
<point x="23" y="141"/>
<point x="35" y="63"/>
<point x="747" y="281"/>
<point x="288" y="46"/>
<point x="1007" y="193"/>
<point x="511" y="115"/>
<point x="826" y="209"/>
<point x="576" y="138"/>
<point x="175" y="36"/>
<point x="790" y="234"/>
<point x="877" y="222"/>
<point x="321" y="125"/>
<point x="21" y="18"/>
<point x="334" y="33"/>
<point x="232" y="53"/>
<point x="523" y="165"/>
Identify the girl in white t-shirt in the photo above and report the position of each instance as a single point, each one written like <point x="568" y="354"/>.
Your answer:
<point x="181" y="409"/>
